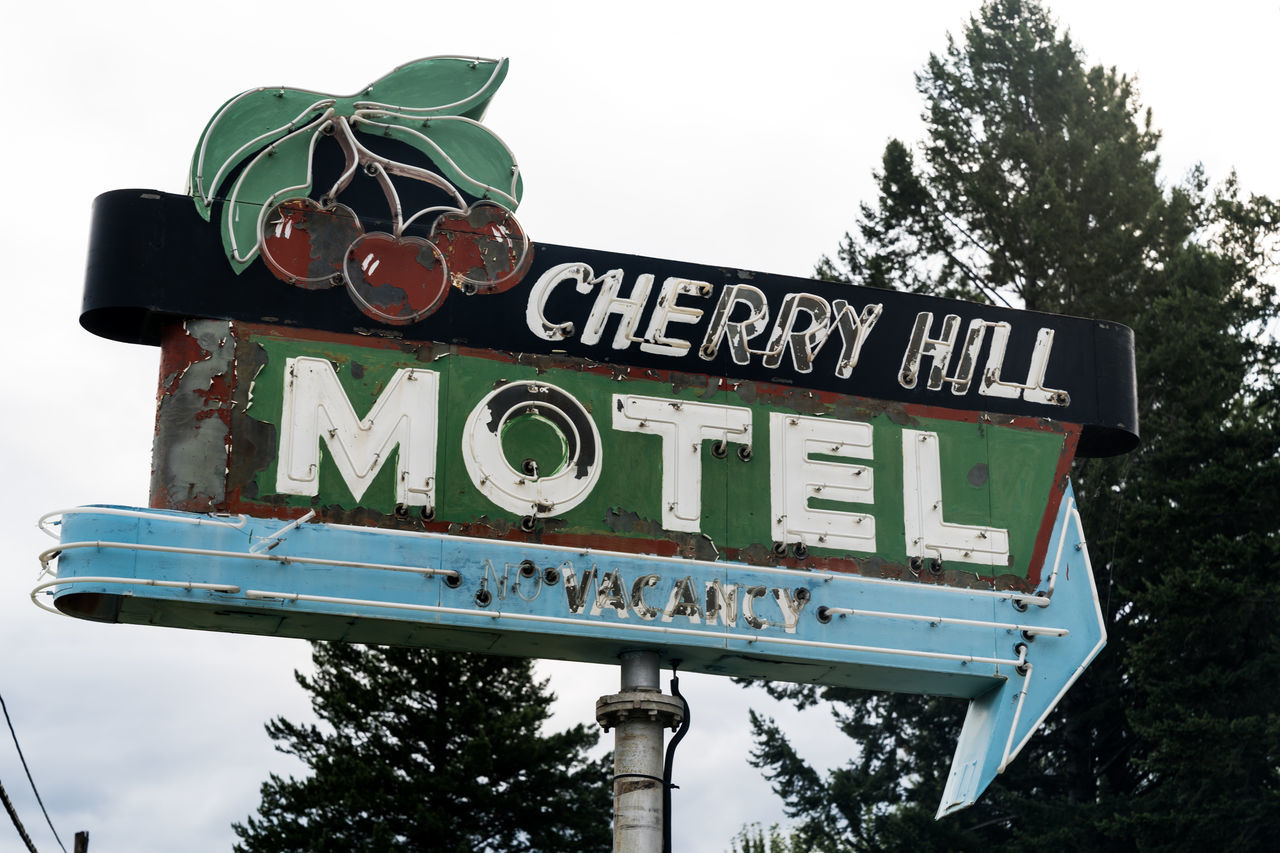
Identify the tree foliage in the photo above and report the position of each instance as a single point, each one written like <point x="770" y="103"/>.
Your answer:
<point x="752" y="839"/>
<point x="430" y="751"/>
<point x="1037" y="185"/>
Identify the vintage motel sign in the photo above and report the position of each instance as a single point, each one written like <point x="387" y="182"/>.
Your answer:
<point x="386" y="415"/>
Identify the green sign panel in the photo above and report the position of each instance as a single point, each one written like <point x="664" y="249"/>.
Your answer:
<point x="570" y="452"/>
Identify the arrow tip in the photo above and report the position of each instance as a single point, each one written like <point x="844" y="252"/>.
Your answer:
<point x="1000" y="721"/>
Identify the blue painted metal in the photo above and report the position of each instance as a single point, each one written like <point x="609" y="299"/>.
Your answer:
<point x="1000" y="722"/>
<point x="323" y="581"/>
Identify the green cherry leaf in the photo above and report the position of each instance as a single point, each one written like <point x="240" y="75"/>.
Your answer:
<point x="465" y="151"/>
<point x="437" y="85"/>
<point x="241" y="128"/>
<point x="281" y="170"/>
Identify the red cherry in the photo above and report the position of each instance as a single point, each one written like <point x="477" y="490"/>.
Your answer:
<point x="396" y="280"/>
<point x="304" y="243"/>
<point x="487" y="250"/>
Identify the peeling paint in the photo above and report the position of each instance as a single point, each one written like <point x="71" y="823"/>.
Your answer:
<point x="193" y="418"/>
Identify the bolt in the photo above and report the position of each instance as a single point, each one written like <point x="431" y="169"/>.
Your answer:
<point x="1021" y="651"/>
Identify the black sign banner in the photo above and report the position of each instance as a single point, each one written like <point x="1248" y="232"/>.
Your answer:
<point x="153" y="260"/>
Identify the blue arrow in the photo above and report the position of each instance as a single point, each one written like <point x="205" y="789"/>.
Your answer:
<point x="1011" y="654"/>
<point x="1000" y="722"/>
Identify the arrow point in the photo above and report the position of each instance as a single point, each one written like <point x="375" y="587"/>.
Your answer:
<point x="1001" y="721"/>
<point x="972" y="768"/>
<point x="953" y="798"/>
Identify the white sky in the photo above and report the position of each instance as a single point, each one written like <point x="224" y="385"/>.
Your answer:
<point x="738" y="134"/>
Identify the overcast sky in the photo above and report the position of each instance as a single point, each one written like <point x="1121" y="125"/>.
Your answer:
<point x="737" y="134"/>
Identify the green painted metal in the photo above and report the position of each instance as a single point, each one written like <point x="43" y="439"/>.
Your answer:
<point x="258" y="148"/>
<point x="997" y="474"/>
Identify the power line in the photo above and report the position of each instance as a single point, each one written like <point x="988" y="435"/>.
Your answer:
<point x="12" y="814"/>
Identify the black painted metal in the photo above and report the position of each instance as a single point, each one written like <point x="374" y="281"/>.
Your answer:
<point x="152" y="258"/>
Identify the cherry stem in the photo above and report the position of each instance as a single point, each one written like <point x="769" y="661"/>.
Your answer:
<point x="357" y="155"/>
<point x="393" y="198"/>
<point x="351" y="150"/>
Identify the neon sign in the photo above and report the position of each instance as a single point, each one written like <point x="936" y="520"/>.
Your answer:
<point x="261" y="150"/>
<point x="763" y="475"/>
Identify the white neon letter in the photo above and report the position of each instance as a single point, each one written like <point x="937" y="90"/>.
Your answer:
<point x="532" y="492"/>
<point x="609" y="302"/>
<point x="805" y="343"/>
<point x="737" y="333"/>
<point x="535" y="309"/>
<point x="938" y="349"/>
<point x="854" y="330"/>
<point x="404" y="418"/>
<point x="683" y="426"/>
<point x="928" y="534"/>
<point x="1033" y="390"/>
<point x="795" y="478"/>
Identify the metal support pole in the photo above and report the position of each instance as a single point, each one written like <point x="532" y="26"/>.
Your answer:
<point x="638" y="714"/>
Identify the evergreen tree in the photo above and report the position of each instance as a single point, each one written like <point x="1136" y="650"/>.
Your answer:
<point x="751" y="839"/>
<point x="430" y="751"/>
<point x="1036" y="186"/>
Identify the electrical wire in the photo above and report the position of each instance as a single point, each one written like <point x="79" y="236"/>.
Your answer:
<point x="13" y="815"/>
<point x="667" y="766"/>
<point x="5" y="708"/>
